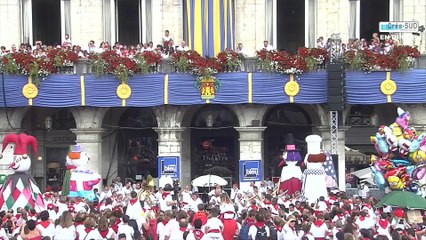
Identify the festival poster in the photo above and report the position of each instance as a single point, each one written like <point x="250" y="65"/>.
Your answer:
<point x="250" y="170"/>
<point x="169" y="166"/>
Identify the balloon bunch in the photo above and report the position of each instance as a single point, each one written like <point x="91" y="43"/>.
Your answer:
<point x="401" y="160"/>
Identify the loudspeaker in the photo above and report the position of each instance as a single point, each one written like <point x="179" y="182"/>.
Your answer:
<point x="336" y="86"/>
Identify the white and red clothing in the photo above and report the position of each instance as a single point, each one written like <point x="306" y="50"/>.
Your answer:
<point x="65" y="233"/>
<point x="46" y="229"/>
<point x="178" y="235"/>
<point x="136" y="212"/>
<point x="319" y="229"/>
<point x="215" y="227"/>
<point x="290" y="179"/>
<point x="107" y="234"/>
<point x="89" y="233"/>
<point x="365" y="222"/>
<point x="162" y="230"/>
<point x="165" y="198"/>
<point x="290" y="233"/>
<point x="126" y="229"/>
<point x="253" y="230"/>
<point x="383" y="228"/>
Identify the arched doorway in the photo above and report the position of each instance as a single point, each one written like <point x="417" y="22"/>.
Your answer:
<point x="286" y="124"/>
<point x="214" y="142"/>
<point x="137" y="144"/>
<point x="51" y="127"/>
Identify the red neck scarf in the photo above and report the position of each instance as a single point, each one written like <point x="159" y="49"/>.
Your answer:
<point x="383" y="223"/>
<point x="164" y="222"/>
<point x="318" y="223"/>
<point x="249" y="221"/>
<point x="362" y="218"/>
<point x="133" y="201"/>
<point x="183" y="229"/>
<point x="259" y="224"/>
<point x="254" y="207"/>
<point x="87" y="230"/>
<point x="45" y="224"/>
<point x="104" y="233"/>
<point x="279" y="228"/>
<point x="164" y="195"/>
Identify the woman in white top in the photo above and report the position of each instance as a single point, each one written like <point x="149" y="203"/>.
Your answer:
<point x="65" y="229"/>
<point x="104" y="230"/>
<point x="89" y="231"/>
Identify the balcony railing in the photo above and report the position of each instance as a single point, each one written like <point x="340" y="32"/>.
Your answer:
<point x="248" y="64"/>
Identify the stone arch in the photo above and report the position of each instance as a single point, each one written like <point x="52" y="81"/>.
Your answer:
<point x="130" y="140"/>
<point x="288" y="124"/>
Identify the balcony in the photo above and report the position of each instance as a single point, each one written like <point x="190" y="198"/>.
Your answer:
<point x="248" y="64"/>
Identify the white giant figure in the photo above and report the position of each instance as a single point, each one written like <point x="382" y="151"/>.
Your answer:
<point x="19" y="189"/>
<point x="314" y="177"/>
<point x="81" y="180"/>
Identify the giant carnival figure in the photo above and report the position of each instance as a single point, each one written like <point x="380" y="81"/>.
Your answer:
<point x="19" y="189"/>
<point x="314" y="177"/>
<point x="400" y="163"/>
<point x="291" y="174"/>
<point x="78" y="180"/>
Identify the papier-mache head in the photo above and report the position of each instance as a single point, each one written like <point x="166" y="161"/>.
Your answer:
<point x="77" y="158"/>
<point x="21" y="161"/>
<point x="313" y="144"/>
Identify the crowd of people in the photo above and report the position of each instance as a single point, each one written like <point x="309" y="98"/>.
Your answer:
<point x="167" y="47"/>
<point x="137" y="210"/>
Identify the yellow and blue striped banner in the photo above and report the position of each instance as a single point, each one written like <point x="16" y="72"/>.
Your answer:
<point x="210" y="25"/>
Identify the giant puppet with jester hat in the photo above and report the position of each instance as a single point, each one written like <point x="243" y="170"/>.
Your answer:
<point x="19" y="189"/>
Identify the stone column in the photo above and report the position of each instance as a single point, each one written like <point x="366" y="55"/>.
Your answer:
<point x="324" y="132"/>
<point x="170" y="144"/>
<point x="251" y="146"/>
<point x="90" y="141"/>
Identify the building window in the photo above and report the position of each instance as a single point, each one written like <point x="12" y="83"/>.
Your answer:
<point x="46" y="21"/>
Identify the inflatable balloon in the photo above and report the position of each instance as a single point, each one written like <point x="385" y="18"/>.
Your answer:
<point x="378" y="178"/>
<point x="401" y="155"/>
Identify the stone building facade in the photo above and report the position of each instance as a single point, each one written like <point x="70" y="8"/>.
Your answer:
<point x="252" y="132"/>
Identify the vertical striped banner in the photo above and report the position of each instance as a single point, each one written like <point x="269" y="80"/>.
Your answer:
<point x="210" y="27"/>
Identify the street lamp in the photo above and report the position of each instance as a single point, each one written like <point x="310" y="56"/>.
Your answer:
<point x="48" y="121"/>
<point x="209" y="120"/>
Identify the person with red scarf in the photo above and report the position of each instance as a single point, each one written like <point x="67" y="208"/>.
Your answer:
<point x="259" y="224"/>
<point x="319" y="228"/>
<point x="383" y="226"/>
<point x="150" y="226"/>
<point x="162" y="229"/>
<point x="45" y="227"/>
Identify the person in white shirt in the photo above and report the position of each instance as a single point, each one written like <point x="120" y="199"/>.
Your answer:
<point x="89" y="231"/>
<point x="67" y="41"/>
<point x="186" y="195"/>
<point x="267" y="46"/>
<point x="45" y="227"/>
<point x="363" y="191"/>
<point x="195" y="201"/>
<point x="290" y="232"/>
<point x="179" y="233"/>
<point x="259" y="225"/>
<point x="166" y="199"/>
<point x="241" y="50"/>
<point x="182" y="47"/>
<point x="213" y="226"/>
<point x="234" y="191"/>
<point x="125" y="228"/>
<point x="65" y="230"/>
<point x="162" y="230"/>
<point x="319" y="228"/>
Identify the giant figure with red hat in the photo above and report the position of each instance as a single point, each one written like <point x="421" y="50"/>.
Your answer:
<point x="20" y="189"/>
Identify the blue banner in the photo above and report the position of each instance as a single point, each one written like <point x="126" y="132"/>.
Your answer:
<point x="250" y="170"/>
<point x="169" y="166"/>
